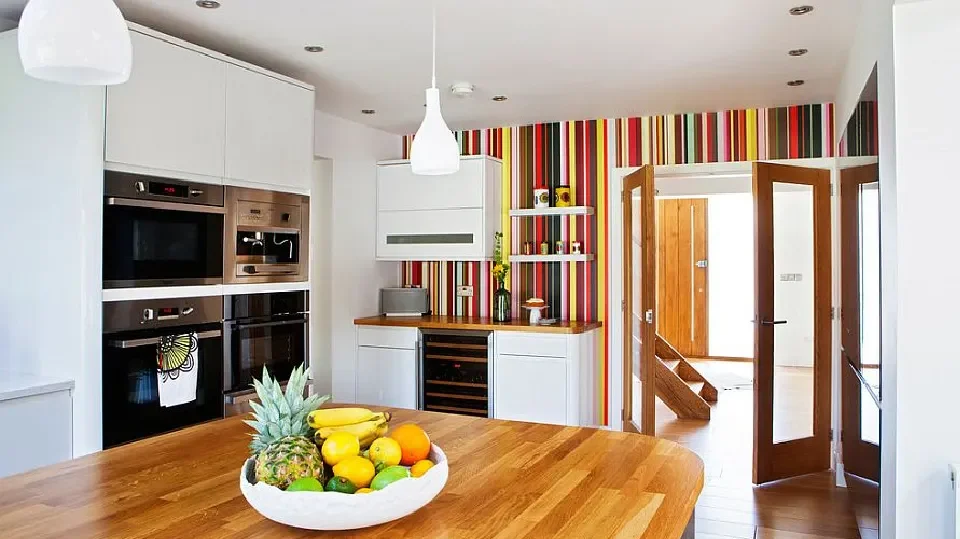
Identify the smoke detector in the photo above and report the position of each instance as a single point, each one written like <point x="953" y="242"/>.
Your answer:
<point x="462" y="90"/>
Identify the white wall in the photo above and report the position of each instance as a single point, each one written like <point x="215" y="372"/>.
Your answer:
<point x="356" y="277"/>
<point x="730" y="258"/>
<point x="321" y="266"/>
<point x="927" y="437"/>
<point x="873" y="45"/>
<point x="51" y="176"/>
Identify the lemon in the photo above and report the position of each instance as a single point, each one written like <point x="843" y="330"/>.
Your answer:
<point x="339" y="446"/>
<point x="363" y="491"/>
<point x="420" y="468"/>
<point x="358" y="470"/>
<point x="386" y="451"/>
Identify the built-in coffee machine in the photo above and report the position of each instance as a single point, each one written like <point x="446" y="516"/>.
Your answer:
<point x="266" y="238"/>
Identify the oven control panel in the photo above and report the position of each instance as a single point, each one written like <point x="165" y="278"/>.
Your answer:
<point x="152" y="313"/>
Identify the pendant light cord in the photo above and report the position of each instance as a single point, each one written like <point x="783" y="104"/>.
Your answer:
<point x="433" y="83"/>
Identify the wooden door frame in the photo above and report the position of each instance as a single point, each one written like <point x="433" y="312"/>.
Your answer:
<point x="641" y="179"/>
<point x="860" y="458"/>
<point x="795" y="457"/>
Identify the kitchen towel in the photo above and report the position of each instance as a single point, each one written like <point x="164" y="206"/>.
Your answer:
<point x="177" y="369"/>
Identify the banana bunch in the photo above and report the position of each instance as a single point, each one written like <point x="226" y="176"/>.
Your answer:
<point x="365" y="424"/>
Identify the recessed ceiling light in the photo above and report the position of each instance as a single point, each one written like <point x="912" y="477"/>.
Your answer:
<point x="499" y="98"/>
<point x="313" y="48"/>
<point x="801" y="10"/>
<point x="798" y="82"/>
<point x="368" y="111"/>
<point x="797" y="52"/>
<point x="208" y="4"/>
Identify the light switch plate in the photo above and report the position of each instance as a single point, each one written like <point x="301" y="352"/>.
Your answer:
<point x="465" y="291"/>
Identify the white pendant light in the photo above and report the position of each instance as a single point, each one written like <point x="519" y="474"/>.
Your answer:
<point x="435" y="150"/>
<point x="82" y="42"/>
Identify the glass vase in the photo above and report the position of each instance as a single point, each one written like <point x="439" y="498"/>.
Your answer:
<point x="501" y="305"/>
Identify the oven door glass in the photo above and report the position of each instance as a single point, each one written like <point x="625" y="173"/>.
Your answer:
<point x="131" y="399"/>
<point x="280" y="345"/>
<point x="153" y="247"/>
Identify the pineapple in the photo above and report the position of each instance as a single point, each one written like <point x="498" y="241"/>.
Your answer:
<point x="289" y="459"/>
<point x="279" y="416"/>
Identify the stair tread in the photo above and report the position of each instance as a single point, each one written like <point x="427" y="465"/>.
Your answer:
<point x="671" y="364"/>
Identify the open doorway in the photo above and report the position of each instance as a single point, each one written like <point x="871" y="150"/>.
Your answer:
<point x="793" y="403"/>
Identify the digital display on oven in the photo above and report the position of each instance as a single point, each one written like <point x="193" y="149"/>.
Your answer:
<point x="169" y="190"/>
<point x="168" y="313"/>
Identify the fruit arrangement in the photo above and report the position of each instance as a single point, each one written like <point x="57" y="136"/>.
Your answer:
<point x="299" y="447"/>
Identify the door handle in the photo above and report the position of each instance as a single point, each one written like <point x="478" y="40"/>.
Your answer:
<point x="772" y="322"/>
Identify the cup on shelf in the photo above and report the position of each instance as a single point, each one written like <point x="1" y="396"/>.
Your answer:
<point x="561" y="197"/>
<point x="575" y="248"/>
<point x="541" y="198"/>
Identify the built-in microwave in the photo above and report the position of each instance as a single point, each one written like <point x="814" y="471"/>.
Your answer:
<point x="161" y="232"/>
<point x="266" y="238"/>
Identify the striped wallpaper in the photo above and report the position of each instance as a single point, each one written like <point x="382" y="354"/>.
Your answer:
<point x="861" y="137"/>
<point x="581" y="155"/>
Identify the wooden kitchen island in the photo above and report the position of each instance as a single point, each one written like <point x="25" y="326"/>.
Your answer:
<point x="507" y="479"/>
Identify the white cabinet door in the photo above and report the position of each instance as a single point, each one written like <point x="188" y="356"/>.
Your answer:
<point x="387" y="377"/>
<point x="399" y="189"/>
<point x="170" y="114"/>
<point x="44" y="431"/>
<point x="269" y="137"/>
<point x="530" y="388"/>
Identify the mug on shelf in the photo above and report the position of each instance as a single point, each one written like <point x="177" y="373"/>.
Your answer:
<point x="562" y="197"/>
<point x="541" y="198"/>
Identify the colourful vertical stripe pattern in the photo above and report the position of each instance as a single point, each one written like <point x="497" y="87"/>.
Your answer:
<point x="861" y="138"/>
<point x="581" y="155"/>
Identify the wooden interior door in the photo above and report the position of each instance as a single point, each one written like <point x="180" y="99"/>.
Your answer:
<point x="682" y="274"/>
<point x="639" y="293"/>
<point x="791" y="411"/>
<point x="860" y="389"/>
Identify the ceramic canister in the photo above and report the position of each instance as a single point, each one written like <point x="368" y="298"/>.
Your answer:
<point x="541" y="198"/>
<point x="562" y="196"/>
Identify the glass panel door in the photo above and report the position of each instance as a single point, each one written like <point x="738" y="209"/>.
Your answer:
<point x="639" y="292"/>
<point x="860" y="320"/>
<point x="792" y="331"/>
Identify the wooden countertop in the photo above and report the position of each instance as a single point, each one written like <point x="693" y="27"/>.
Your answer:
<point x="475" y="323"/>
<point x="515" y="479"/>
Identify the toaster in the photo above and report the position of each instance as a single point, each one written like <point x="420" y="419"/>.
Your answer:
<point x="404" y="301"/>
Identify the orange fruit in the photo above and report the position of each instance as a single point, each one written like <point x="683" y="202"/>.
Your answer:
<point x="420" y="468"/>
<point x="414" y="443"/>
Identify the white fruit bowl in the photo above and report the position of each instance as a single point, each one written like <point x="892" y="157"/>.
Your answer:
<point x="337" y="511"/>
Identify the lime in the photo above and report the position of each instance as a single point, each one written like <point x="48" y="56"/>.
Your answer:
<point x="388" y="476"/>
<point x="306" y="484"/>
<point x="341" y="484"/>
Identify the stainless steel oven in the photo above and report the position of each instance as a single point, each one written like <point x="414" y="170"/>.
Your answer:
<point x="267" y="236"/>
<point x="161" y="232"/>
<point x="134" y="333"/>
<point x="262" y="330"/>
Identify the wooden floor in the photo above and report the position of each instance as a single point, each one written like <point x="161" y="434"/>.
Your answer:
<point x="809" y="507"/>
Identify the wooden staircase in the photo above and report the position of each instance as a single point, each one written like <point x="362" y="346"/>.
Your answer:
<point x="681" y="386"/>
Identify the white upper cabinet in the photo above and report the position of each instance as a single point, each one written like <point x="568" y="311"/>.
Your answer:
<point x="452" y="217"/>
<point x="269" y="133"/>
<point x="170" y="115"/>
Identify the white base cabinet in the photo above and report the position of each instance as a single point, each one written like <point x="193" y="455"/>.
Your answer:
<point x="387" y="366"/>
<point x="43" y="427"/>
<point x="545" y="378"/>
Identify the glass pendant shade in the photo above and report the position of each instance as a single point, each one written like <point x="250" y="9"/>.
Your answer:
<point x="435" y="150"/>
<point x="81" y="42"/>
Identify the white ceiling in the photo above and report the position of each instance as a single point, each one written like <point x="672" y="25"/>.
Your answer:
<point x="555" y="59"/>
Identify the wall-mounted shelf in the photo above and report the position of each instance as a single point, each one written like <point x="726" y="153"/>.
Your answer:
<point x="540" y="212"/>
<point x="550" y="258"/>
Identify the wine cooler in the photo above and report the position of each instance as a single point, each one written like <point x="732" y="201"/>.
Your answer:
<point x="457" y="372"/>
